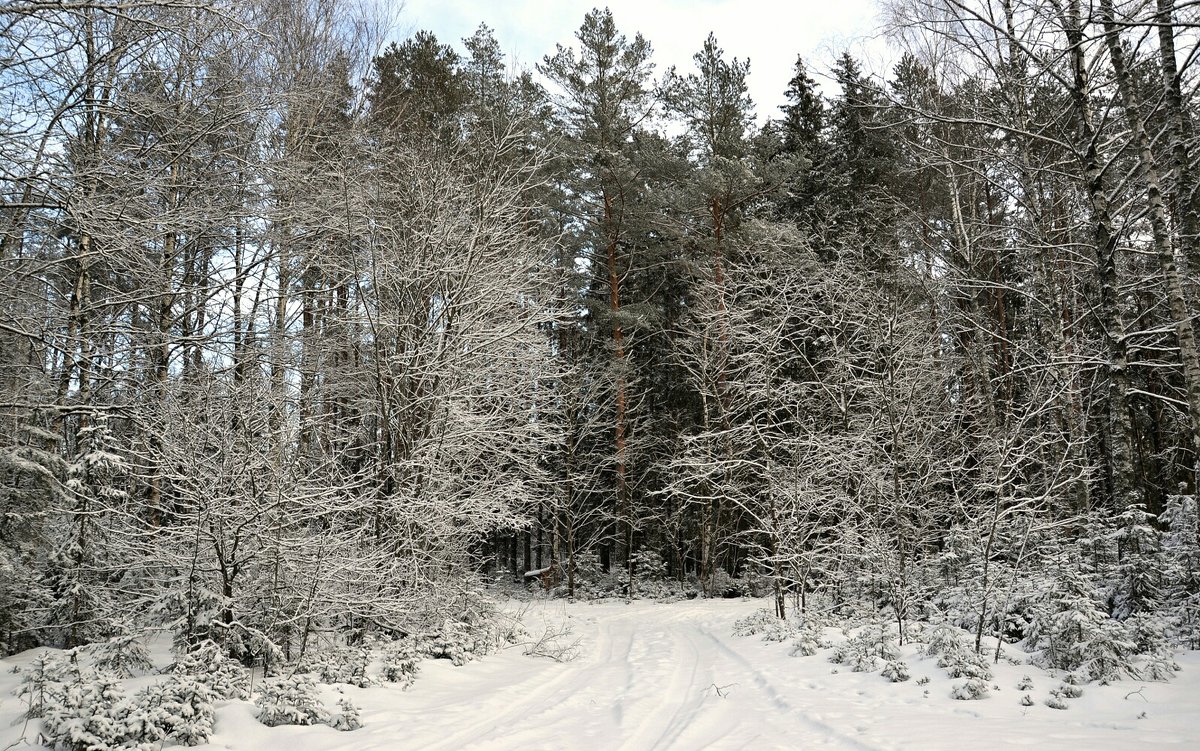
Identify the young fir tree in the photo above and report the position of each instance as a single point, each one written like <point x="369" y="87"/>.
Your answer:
<point x="1181" y="548"/>
<point x="1139" y="576"/>
<point x="83" y="567"/>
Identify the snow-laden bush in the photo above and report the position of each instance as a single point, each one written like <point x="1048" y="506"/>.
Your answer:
<point x="941" y="638"/>
<point x="765" y="623"/>
<point x="123" y="656"/>
<point x="224" y="677"/>
<point x="1072" y="630"/>
<point x="401" y="662"/>
<point x="809" y="638"/>
<point x="965" y="663"/>
<point x="344" y="665"/>
<point x="754" y="623"/>
<point x="955" y="655"/>
<point x="1140" y="573"/>
<point x="591" y="581"/>
<point x="724" y="585"/>
<point x="1149" y="636"/>
<point x="88" y="710"/>
<point x="44" y="679"/>
<point x="1181" y="548"/>
<point x="290" y="701"/>
<point x="863" y="651"/>
<point x="857" y="660"/>
<point x="1106" y="654"/>
<point x="478" y="628"/>
<point x="458" y="642"/>
<point x="896" y="671"/>
<point x="91" y="714"/>
<point x="179" y="709"/>
<point x="650" y="572"/>
<point x="1069" y="691"/>
<point x="1074" y="633"/>
<point x="971" y="689"/>
<point x="348" y="718"/>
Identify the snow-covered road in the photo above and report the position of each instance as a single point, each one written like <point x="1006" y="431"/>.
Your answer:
<point x="645" y="679"/>
<point x="671" y="676"/>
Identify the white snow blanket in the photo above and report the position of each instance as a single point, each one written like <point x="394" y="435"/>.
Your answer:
<point x="672" y="676"/>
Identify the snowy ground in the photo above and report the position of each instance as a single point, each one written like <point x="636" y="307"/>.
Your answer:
<point x="672" y="676"/>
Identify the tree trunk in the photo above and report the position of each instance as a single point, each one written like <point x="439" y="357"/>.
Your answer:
<point x="1184" y="331"/>
<point x="1119" y="424"/>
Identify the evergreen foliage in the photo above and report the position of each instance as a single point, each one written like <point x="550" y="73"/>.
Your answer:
<point x="289" y="701"/>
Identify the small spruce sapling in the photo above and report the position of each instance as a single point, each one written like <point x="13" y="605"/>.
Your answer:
<point x="225" y="677"/>
<point x="970" y="690"/>
<point x="179" y="709"/>
<point x="401" y="662"/>
<point x="1139" y="573"/>
<point x="1181" y="548"/>
<point x="289" y="701"/>
<point x="349" y="718"/>
<point x="123" y="656"/>
<point x="896" y="671"/>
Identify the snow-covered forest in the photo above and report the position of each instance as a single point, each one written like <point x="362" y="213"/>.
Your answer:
<point x="314" y="347"/>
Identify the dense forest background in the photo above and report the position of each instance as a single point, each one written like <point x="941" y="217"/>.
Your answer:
<point x="300" y="333"/>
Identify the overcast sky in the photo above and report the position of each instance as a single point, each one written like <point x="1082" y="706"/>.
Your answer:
<point x="770" y="32"/>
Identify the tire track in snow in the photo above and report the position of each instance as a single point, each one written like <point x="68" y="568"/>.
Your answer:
<point x="572" y="681"/>
<point x="659" y="731"/>
<point x="779" y="702"/>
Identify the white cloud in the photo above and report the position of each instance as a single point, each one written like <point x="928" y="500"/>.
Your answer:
<point x="770" y="32"/>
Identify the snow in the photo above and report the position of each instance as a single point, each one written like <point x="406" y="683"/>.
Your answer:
<point x="672" y="676"/>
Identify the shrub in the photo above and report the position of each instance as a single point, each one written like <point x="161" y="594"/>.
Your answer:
<point x="401" y="662"/>
<point x="123" y="656"/>
<point x="345" y="665"/>
<point x="43" y="681"/>
<point x="86" y="710"/>
<point x="971" y="689"/>
<point x="461" y="641"/>
<point x="1070" y="691"/>
<point x="941" y="639"/>
<point x="224" y="677"/>
<point x="1075" y="634"/>
<point x="809" y="638"/>
<point x="965" y="663"/>
<point x="863" y="651"/>
<point x="179" y="709"/>
<point x="289" y="701"/>
<point x="765" y="623"/>
<point x="896" y="671"/>
<point x="955" y="655"/>
<point x="1106" y="653"/>
<point x="349" y="718"/>
<point x="754" y="623"/>
<point x="91" y="714"/>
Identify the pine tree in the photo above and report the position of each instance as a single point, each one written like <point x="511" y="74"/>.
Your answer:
<point x="606" y="94"/>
